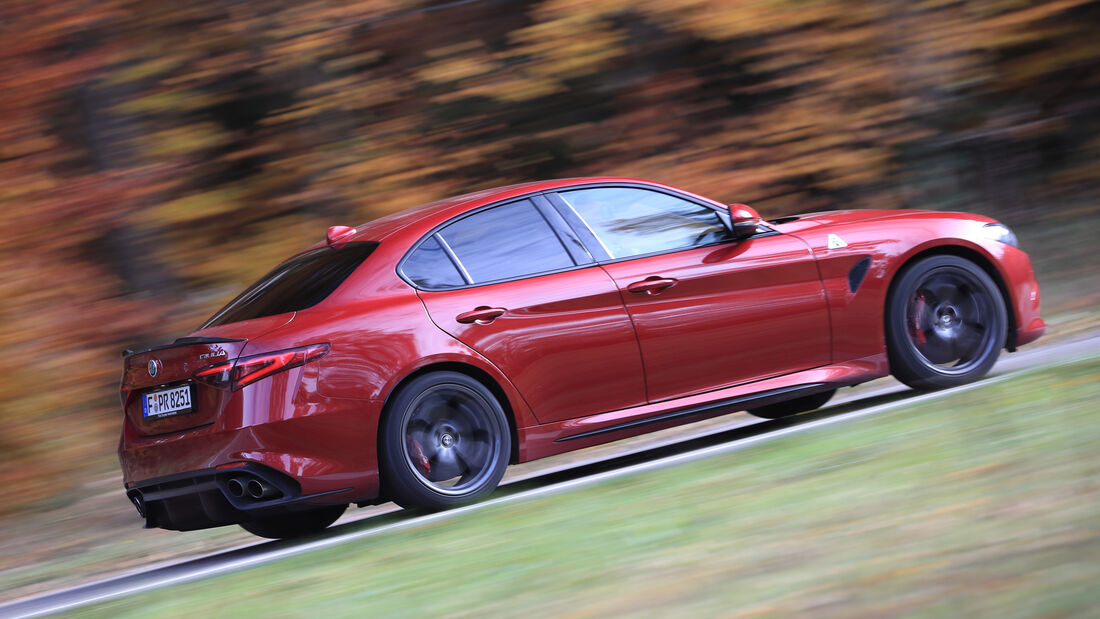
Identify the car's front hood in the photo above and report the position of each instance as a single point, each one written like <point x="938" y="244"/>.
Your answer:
<point x="809" y="221"/>
<point x="797" y="223"/>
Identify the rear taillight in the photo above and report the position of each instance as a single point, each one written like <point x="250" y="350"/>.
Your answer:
<point x="244" y="371"/>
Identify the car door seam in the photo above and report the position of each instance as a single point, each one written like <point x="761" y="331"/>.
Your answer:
<point x="633" y="327"/>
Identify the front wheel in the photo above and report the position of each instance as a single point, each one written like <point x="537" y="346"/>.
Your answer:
<point x="445" y="442"/>
<point x="945" y="323"/>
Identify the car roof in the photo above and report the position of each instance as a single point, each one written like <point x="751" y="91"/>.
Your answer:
<point x="420" y="219"/>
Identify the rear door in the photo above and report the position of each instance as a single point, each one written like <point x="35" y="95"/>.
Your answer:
<point x="709" y="312"/>
<point x="514" y="284"/>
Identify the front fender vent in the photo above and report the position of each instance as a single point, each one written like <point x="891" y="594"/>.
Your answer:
<point x="858" y="273"/>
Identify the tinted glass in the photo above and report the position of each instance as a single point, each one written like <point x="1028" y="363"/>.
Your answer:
<point x="631" y="222"/>
<point x="299" y="283"/>
<point x="506" y="242"/>
<point x="429" y="267"/>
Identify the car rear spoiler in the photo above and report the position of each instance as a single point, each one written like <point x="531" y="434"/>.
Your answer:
<point x="183" y="341"/>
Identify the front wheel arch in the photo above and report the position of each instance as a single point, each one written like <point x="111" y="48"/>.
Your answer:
<point x="966" y="253"/>
<point x="960" y="294"/>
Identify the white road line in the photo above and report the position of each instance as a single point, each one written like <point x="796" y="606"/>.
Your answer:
<point x="123" y="586"/>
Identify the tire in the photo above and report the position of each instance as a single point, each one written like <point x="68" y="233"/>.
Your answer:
<point x="294" y="524"/>
<point x="444" y="442"/>
<point x="795" y="406"/>
<point x="946" y="323"/>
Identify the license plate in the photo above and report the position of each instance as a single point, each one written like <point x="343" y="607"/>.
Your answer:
<point x="166" y="402"/>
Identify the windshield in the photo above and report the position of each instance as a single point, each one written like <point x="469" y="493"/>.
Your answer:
<point x="301" y="282"/>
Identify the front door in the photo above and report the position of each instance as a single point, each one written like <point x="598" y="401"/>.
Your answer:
<point x="709" y="312"/>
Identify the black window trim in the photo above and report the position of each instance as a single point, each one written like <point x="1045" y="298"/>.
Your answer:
<point x="572" y="218"/>
<point x="567" y="224"/>
<point x="566" y="235"/>
<point x="534" y="198"/>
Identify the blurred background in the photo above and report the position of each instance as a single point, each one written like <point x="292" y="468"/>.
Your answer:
<point x="156" y="157"/>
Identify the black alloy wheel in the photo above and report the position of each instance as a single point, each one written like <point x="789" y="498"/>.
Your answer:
<point x="946" y="323"/>
<point x="445" y="441"/>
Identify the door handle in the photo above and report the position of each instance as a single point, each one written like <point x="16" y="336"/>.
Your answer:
<point x="482" y="315"/>
<point x="651" y="285"/>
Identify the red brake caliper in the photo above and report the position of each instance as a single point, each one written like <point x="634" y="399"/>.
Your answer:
<point x="418" y="453"/>
<point x="918" y="311"/>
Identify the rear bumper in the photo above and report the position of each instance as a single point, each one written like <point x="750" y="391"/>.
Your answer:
<point x="203" y="499"/>
<point x="324" y="454"/>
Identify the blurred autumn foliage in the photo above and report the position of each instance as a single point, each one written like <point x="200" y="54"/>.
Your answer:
<point x="158" y="156"/>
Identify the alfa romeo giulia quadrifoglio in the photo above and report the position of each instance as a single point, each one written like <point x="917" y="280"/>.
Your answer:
<point x="412" y="358"/>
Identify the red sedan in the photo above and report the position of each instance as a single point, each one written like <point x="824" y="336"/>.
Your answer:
<point x="414" y="357"/>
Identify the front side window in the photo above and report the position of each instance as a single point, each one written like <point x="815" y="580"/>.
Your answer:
<point x="631" y="222"/>
<point x="505" y="242"/>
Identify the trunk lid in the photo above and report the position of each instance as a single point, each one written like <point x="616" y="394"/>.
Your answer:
<point x="162" y="369"/>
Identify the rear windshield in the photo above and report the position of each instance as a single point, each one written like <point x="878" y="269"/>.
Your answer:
<point x="301" y="282"/>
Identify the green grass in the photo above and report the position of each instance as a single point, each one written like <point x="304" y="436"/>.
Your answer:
<point x="985" y="502"/>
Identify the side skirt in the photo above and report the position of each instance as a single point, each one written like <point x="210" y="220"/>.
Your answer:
<point x="745" y="402"/>
<point x="553" y="438"/>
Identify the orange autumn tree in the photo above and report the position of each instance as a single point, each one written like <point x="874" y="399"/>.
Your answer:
<point x="157" y="157"/>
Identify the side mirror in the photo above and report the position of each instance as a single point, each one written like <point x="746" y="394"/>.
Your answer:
<point x="743" y="221"/>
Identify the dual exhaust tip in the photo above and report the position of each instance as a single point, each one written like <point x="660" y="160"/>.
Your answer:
<point x="251" y="487"/>
<point x="240" y="488"/>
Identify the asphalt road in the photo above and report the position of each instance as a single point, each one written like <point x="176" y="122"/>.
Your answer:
<point x="741" y="431"/>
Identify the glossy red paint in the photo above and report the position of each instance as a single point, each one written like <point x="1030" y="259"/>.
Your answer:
<point x="733" y="313"/>
<point x="547" y="439"/>
<point x="557" y="329"/>
<point x="892" y="239"/>
<point x="337" y="234"/>
<point x="594" y="347"/>
<point x="743" y="212"/>
<point x="282" y="422"/>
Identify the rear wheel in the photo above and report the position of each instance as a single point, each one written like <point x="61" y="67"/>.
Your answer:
<point x="294" y="524"/>
<point x="945" y="323"/>
<point x="445" y="442"/>
<point x="795" y="406"/>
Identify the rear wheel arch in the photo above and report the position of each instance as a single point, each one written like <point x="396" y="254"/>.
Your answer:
<point x="473" y="372"/>
<point x="972" y="255"/>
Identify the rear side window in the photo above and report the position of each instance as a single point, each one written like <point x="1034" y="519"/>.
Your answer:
<point x="301" y="282"/>
<point x="506" y="242"/>
<point x="429" y="267"/>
